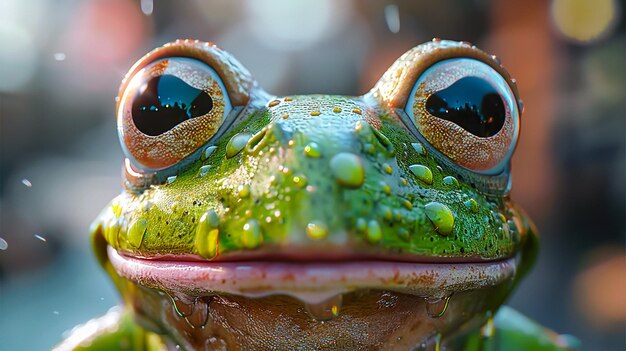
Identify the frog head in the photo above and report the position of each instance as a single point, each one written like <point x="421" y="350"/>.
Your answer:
<point x="255" y="221"/>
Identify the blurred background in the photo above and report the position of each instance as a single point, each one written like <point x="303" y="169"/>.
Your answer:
<point x="61" y="63"/>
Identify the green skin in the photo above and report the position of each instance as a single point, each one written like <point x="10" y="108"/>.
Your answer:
<point x="271" y="178"/>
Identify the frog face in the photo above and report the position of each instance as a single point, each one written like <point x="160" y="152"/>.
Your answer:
<point x="256" y="221"/>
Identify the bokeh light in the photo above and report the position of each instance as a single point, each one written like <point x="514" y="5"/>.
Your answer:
<point x="585" y="20"/>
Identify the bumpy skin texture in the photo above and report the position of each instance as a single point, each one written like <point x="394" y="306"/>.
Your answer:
<point x="300" y="177"/>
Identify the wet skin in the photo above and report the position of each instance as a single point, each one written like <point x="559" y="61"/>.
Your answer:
<point x="251" y="221"/>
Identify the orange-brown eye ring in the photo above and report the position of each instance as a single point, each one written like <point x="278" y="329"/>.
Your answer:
<point x="169" y="109"/>
<point x="467" y="111"/>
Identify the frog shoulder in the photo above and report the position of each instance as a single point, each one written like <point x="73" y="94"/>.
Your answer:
<point x="116" y="330"/>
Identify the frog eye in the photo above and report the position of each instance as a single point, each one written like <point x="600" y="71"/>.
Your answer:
<point x="467" y="111"/>
<point x="169" y="109"/>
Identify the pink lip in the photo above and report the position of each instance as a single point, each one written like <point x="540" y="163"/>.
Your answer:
<point x="310" y="281"/>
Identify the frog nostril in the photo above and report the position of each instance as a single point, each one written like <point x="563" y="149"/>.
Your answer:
<point x="253" y="143"/>
<point x="384" y="142"/>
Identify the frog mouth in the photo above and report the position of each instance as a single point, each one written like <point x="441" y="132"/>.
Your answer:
<point x="312" y="282"/>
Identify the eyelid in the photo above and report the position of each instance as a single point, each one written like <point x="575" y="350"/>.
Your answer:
<point x="393" y="89"/>
<point x="237" y="79"/>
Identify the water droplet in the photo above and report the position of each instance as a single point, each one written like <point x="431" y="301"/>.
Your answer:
<point x="422" y="173"/>
<point x="199" y="315"/>
<point x="348" y="169"/>
<point x="273" y="103"/>
<point x="27" y="182"/>
<point x="361" y="224"/>
<point x="147" y="6"/>
<point x="299" y="181"/>
<point x="207" y="233"/>
<point x="236" y="144"/>
<point x="325" y="310"/>
<point x="451" y="181"/>
<point x="419" y="148"/>
<point x="317" y="230"/>
<point x="436" y="307"/>
<point x="471" y="205"/>
<point x="441" y="217"/>
<point x="204" y="170"/>
<point x="171" y="179"/>
<point x="374" y="232"/>
<point x="208" y="152"/>
<point x="3" y="244"/>
<point x="488" y="329"/>
<point x="312" y="150"/>
<point x="136" y="232"/>
<point x="215" y="344"/>
<point x="251" y="234"/>
<point x="385" y="187"/>
<point x="183" y="306"/>
<point x="385" y="212"/>
<point x="387" y="168"/>
<point x="243" y="191"/>
<point x="59" y="56"/>
<point x="40" y="237"/>
<point x="403" y="234"/>
<point x="392" y="18"/>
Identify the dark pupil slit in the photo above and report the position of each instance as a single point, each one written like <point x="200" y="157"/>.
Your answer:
<point x="165" y="101"/>
<point x="472" y="103"/>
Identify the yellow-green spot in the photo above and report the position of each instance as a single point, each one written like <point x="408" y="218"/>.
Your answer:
<point x="251" y="234"/>
<point x="208" y="151"/>
<point x="419" y="148"/>
<point x="374" y="232"/>
<point x="317" y="230"/>
<point x="337" y="110"/>
<point x="407" y="204"/>
<point x="236" y="144"/>
<point x="422" y="173"/>
<point x="347" y="169"/>
<point x="387" y="168"/>
<point x="450" y="181"/>
<point x="243" y="191"/>
<point x="403" y="182"/>
<point x="312" y="150"/>
<point x="315" y="113"/>
<point x="361" y="224"/>
<point x="136" y="232"/>
<point x="403" y="234"/>
<point x="207" y="233"/>
<point x="471" y="205"/>
<point x="111" y="233"/>
<point x="385" y="212"/>
<point x="385" y="187"/>
<point x="299" y="181"/>
<point x="441" y="217"/>
<point x="171" y="179"/>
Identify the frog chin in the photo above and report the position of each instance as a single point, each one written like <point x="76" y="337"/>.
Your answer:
<point x="352" y="302"/>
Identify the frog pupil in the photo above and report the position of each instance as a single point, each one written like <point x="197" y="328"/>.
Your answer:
<point x="472" y="103"/>
<point x="165" y="101"/>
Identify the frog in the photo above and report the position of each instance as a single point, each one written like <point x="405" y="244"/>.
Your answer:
<point x="250" y="221"/>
